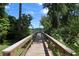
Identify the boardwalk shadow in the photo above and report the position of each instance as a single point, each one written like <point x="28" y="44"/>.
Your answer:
<point x="45" y="48"/>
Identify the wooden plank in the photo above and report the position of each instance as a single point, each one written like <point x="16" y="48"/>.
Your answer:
<point x="39" y="47"/>
<point x="26" y="49"/>
<point x="36" y="50"/>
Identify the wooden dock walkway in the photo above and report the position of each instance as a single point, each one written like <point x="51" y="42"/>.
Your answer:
<point x="39" y="47"/>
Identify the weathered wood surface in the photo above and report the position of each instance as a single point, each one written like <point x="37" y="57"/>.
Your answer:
<point x="39" y="47"/>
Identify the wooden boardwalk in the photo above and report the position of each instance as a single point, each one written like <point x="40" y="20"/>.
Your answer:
<point x="39" y="47"/>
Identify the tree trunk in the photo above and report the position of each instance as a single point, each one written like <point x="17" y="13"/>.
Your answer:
<point x="20" y="13"/>
<point x="58" y="20"/>
<point x="20" y="10"/>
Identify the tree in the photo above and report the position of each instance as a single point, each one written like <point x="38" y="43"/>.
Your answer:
<point x="4" y="22"/>
<point x="20" y="10"/>
<point x="55" y="11"/>
<point x="2" y="10"/>
<point x="46" y="23"/>
<point x="13" y="29"/>
<point x="26" y="21"/>
<point x="24" y="25"/>
<point x="64" y="19"/>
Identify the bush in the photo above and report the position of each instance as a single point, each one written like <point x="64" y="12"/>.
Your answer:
<point x="4" y="27"/>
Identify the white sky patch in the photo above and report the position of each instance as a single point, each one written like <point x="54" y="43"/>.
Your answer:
<point x="7" y="7"/>
<point x="30" y="27"/>
<point x="31" y="12"/>
<point x="39" y="3"/>
<point x="41" y="26"/>
<point x="45" y="10"/>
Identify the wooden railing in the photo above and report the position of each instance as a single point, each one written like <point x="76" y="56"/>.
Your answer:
<point x="57" y="47"/>
<point x="19" y="48"/>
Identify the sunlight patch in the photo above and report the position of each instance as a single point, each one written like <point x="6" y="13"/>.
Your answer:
<point x="45" y="10"/>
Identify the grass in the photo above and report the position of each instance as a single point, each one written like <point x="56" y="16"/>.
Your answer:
<point x="2" y="46"/>
<point x="8" y="43"/>
<point x="5" y="45"/>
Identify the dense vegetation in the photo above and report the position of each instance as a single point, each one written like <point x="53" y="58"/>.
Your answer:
<point x="13" y="29"/>
<point x="62" y="22"/>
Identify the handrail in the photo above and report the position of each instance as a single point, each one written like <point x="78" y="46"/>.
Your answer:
<point x="9" y="50"/>
<point x="60" y="45"/>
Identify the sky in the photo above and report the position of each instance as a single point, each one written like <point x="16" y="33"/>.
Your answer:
<point x="35" y="9"/>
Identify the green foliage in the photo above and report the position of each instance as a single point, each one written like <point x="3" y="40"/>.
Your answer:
<point x="12" y="28"/>
<point x="23" y="26"/>
<point x="4" y="26"/>
<point x="4" y="23"/>
<point x="46" y="23"/>
<point x="3" y="13"/>
<point x="19" y="28"/>
<point x="55" y="11"/>
<point x="63" y="23"/>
